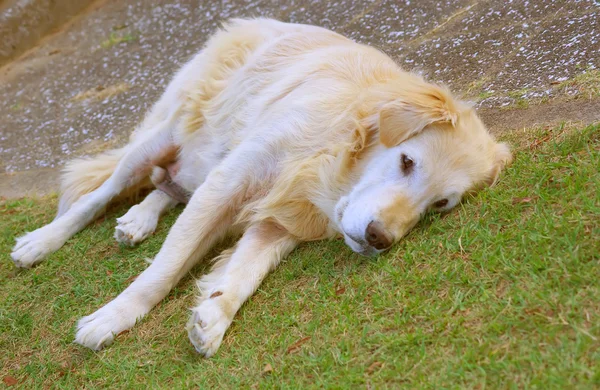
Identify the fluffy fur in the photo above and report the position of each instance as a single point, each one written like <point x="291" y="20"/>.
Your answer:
<point x="286" y="133"/>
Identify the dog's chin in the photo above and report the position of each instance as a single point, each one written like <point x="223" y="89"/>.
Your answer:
<point x="369" y="252"/>
<point x="364" y="250"/>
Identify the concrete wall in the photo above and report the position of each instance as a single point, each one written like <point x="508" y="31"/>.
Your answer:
<point x="24" y="22"/>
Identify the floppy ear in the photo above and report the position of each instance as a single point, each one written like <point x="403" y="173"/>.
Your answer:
<point x="402" y="118"/>
<point x="502" y="157"/>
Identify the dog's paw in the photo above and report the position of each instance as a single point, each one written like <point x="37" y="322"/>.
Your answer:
<point x="99" y="329"/>
<point x="33" y="247"/>
<point x="207" y="327"/>
<point x="135" y="226"/>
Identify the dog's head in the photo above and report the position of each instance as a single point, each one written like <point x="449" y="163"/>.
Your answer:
<point x="431" y="151"/>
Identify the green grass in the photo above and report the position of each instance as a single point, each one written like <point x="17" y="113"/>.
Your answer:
<point x="115" y="39"/>
<point x="519" y="101"/>
<point x="475" y="86"/>
<point x="484" y="95"/>
<point x="502" y="292"/>
<point x="586" y="84"/>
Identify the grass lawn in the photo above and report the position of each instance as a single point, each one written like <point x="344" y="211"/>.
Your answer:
<point x="503" y="291"/>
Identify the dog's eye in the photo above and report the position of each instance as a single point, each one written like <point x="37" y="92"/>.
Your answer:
<point x="440" y="203"/>
<point x="407" y="164"/>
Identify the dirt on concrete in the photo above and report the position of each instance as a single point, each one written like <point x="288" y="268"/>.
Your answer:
<point x="23" y="23"/>
<point x="84" y="88"/>
<point x="552" y="113"/>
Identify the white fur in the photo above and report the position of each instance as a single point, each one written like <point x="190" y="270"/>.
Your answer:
<point x="141" y="220"/>
<point x="251" y="261"/>
<point x="289" y="133"/>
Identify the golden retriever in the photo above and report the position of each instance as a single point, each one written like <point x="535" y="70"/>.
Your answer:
<point x="284" y="133"/>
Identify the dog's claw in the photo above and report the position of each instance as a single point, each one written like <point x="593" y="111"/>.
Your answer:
<point x="135" y="226"/>
<point x="207" y="327"/>
<point x="99" y="329"/>
<point x="33" y="247"/>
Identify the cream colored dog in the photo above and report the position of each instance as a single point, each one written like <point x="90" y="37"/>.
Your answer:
<point x="287" y="133"/>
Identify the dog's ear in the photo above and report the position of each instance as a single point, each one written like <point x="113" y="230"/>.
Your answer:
<point x="502" y="157"/>
<point x="408" y="115"/>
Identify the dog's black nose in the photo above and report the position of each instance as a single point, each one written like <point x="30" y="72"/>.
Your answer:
<point x="377" y="236"/>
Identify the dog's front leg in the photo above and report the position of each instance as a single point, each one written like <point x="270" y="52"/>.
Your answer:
<point x="233" y="280"/>
<point x="205" y="220"/>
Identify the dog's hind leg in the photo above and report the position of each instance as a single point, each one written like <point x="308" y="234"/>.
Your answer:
<point x="207" y="217"/>
<point x="135" y="165"/>
<point x="141" y="220"/>
<point x="233" y="279"/>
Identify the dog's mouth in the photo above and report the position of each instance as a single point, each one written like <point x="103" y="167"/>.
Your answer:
<point x="369" y="252"/>
<point x="360" y="246"/>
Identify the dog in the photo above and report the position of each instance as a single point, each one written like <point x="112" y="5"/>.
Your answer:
<point x="280" y="133"/>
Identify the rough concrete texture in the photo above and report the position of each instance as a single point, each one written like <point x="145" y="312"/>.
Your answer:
<point x="83" y="89"/>
<point x="24" y="22"/>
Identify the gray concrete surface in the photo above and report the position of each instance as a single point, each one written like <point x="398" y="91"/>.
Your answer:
<point x="24" y="22"/>
<point x="82" y="89"/>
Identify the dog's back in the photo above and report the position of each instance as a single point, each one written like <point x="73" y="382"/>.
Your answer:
<point x="198" y="93"/>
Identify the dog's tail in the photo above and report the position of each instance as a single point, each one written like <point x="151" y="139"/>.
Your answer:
<point x="83" y="175"/>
